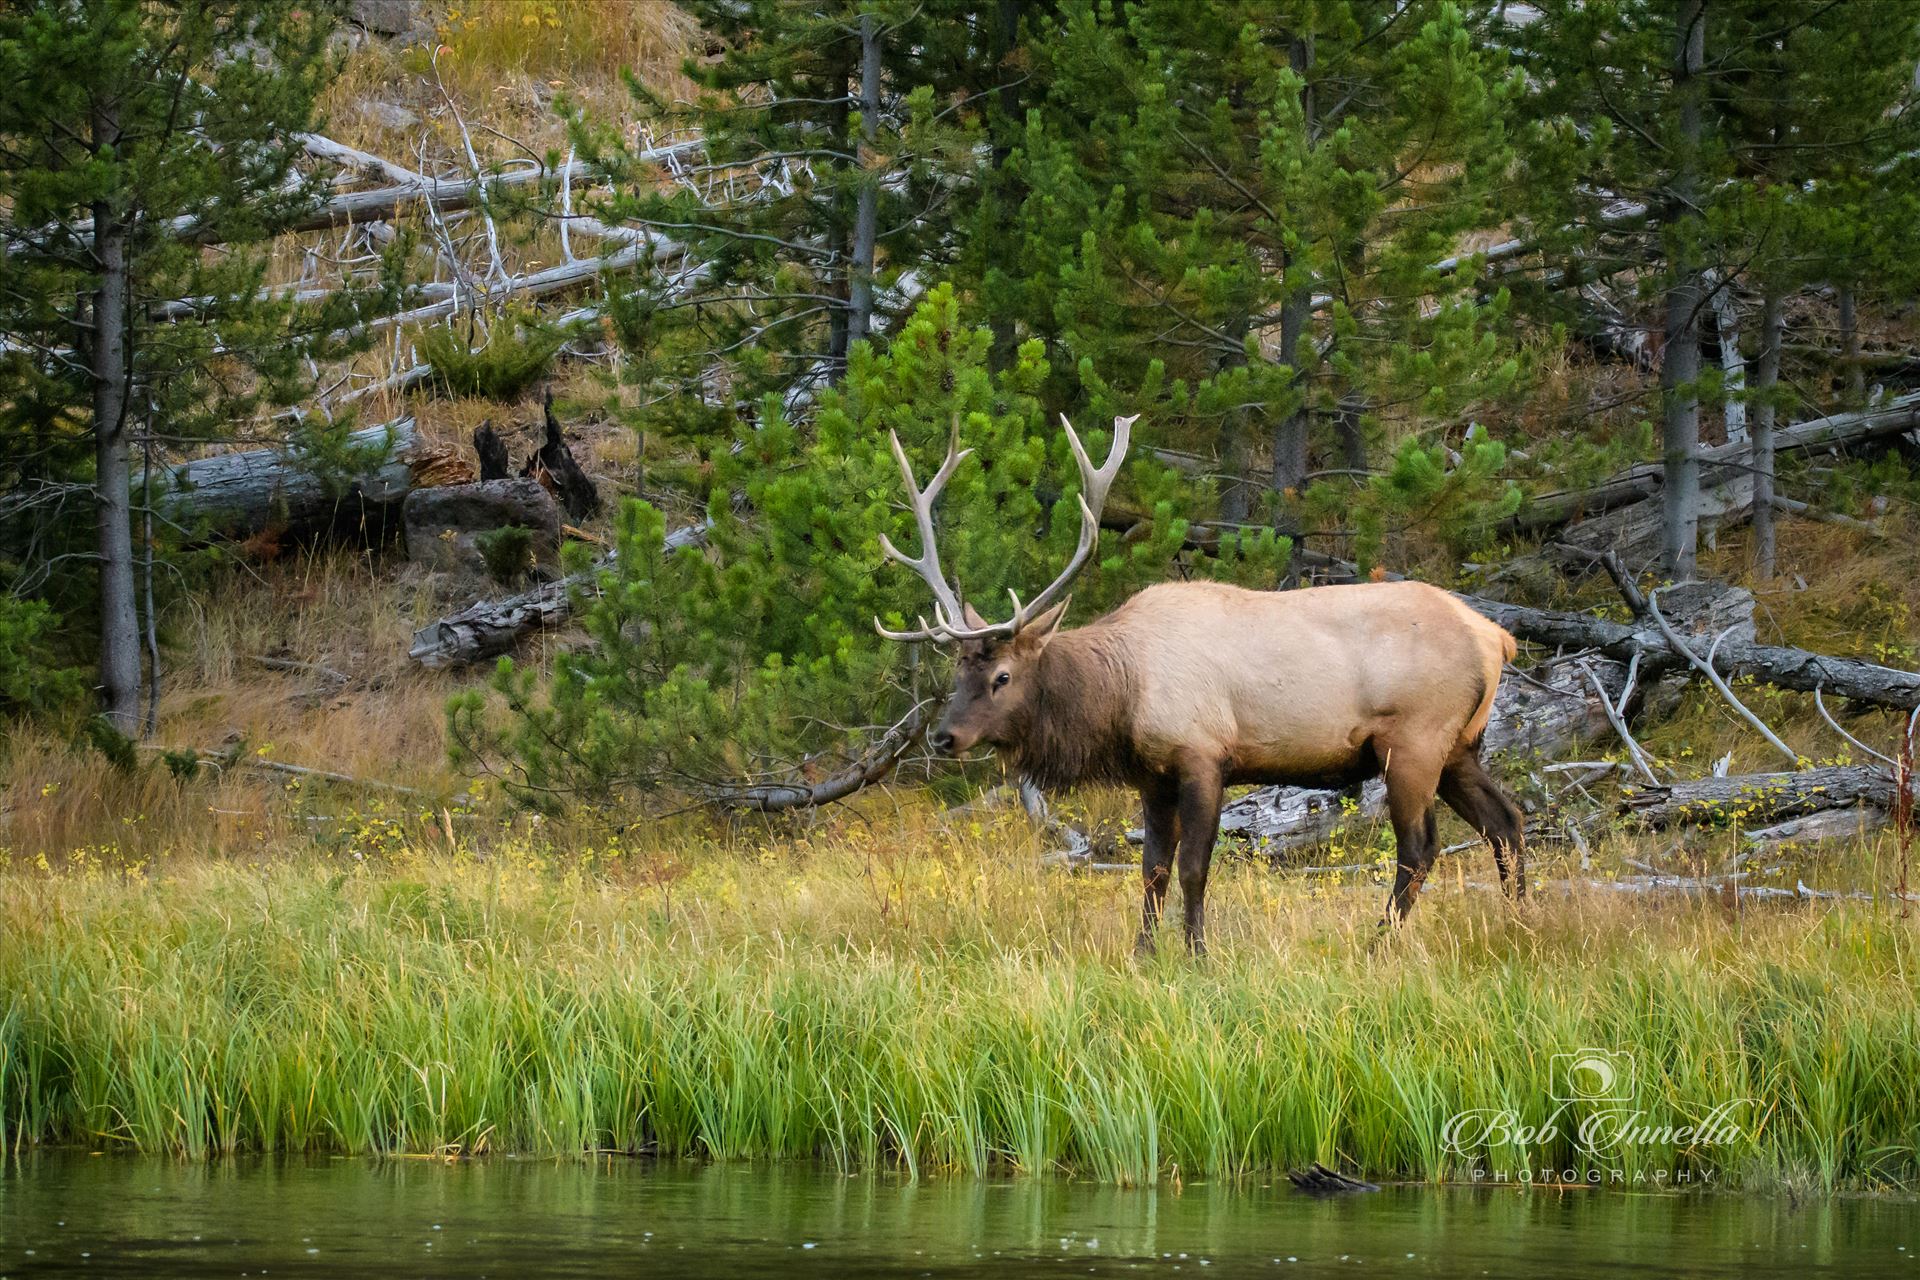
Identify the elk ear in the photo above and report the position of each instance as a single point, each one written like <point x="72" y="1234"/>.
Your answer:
<point x="970" y="616"/>
<point x="1035" y="635"/>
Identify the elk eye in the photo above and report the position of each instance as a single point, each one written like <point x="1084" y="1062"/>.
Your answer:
<point x="1001" y="679"/>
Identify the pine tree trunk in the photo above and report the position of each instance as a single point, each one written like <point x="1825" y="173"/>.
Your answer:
<point x="839" y="231"/>
<point x="1766" y="377"/>
<point x="1007" y="41"/>
<point x="152" y="722"/>
<point x="867" y="212"/>
<point x="1353" y="439"/>
<point x="1680" y="361"/>
<point x="1856" y="373"/>
<point x="113" y="481"/>
<point x="1236" y="496"/>
<point x="1290" y="434"/>
<point x="1733" y="363"/>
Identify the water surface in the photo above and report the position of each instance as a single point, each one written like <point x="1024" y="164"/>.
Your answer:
<point x="74" y="1214"/>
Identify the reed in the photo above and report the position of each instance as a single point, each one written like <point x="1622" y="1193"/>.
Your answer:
<point x="945" y="1009"/>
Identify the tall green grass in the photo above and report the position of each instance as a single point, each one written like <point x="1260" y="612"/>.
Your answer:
<point x="946" y="1014"/>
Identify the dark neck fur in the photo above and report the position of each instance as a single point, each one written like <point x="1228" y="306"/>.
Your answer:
<point x="1079" y="726"/>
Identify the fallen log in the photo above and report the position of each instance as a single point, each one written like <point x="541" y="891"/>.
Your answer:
<point x="238" y="495"/>
<point x="488" y="628"/>
<point x="1720" y="463"/>
<point x="873" y="764"/>
<point x="1826" y="824"/>
<point x="381" y="203"/>
<point x="1729" y="889"/>
<point x="1756" y="797"/>
<point x="353" y="158"/>
<point x="1780" y="665"/>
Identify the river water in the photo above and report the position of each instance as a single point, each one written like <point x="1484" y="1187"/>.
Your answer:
<point x="75" y="1214"/>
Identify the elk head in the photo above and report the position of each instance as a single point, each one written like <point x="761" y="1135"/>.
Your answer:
<point x="993" y="691"/>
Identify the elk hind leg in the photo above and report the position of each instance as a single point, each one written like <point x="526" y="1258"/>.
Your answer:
<point x="1410" y="791"/>
<point x="1200" y="789"/>
<point x="1471" y="792"/>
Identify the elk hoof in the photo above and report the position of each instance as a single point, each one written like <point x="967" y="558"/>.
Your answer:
<point x="1143" y="949"/>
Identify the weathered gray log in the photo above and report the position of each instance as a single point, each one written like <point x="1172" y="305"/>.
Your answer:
<point x="1721" y="463"/>
<point x="488" y="628"/>
<point x="340" y="153"/>
<point x="1633" y="532"/>
<point x="381" y="203"/>
<point x="257" y="490"/>
<point x="1756" y="797"/>
<point x="1826" y="824"/>
<point x="1779" y="665"/>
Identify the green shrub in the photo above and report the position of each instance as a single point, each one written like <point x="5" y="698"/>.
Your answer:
<point x="508" y="553"/>
<point x="32" y="678"/>
<point x="517" y="353"/>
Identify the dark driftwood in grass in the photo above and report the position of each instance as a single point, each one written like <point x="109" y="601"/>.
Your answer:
<point x="488" y="628"/>
<point x="555" y="462"/>
<point x="492" y="452"/>
<point x="1757" y="797"/>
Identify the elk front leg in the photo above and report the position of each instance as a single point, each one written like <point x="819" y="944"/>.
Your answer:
<point x="1199" y="827"/>
<point x="1162" y="807"/>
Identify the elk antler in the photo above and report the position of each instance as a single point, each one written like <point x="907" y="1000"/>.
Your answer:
<point x="948" y="611"/>
<point x="946" y="601"/>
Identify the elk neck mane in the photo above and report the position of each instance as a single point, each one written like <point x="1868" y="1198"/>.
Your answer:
<point x="1079" y="728"/>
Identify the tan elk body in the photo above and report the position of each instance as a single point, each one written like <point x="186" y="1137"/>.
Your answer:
<point x="1294" y="686"/>
<point x="1188" y="688"/>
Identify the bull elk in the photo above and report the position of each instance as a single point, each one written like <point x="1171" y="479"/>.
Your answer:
<point x="1192" y="687"/>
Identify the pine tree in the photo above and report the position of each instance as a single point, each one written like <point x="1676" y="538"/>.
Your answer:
<point x="1617" y="111"/>
<point x="1752" y="134"/>
<point x="134" y="135"/>
<point x="756" y="658"/>
<point x="1203" y="178"/>
<point x="1818" y="117"/>
<point x="828" y="168"/>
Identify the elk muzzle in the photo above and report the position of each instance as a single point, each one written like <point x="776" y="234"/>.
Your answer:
<point x="950" y="739"/>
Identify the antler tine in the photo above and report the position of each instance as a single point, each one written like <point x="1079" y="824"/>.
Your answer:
<point x="946" y="601"/>
<point x="948" y="610"/>
<point x="1093" y="499"/>
<point x="924" y="633"/>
